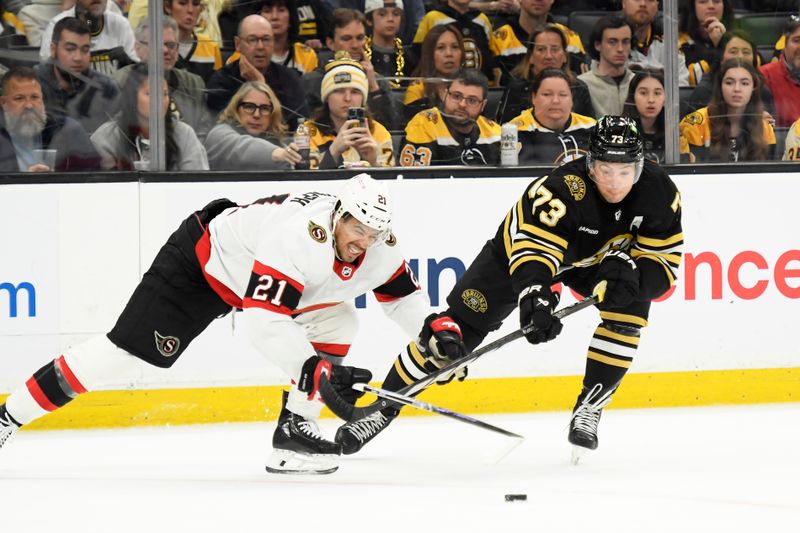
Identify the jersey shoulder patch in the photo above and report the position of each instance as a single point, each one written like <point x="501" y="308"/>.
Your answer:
<point x="317" y="232"/>
<point x="576" y="186"/>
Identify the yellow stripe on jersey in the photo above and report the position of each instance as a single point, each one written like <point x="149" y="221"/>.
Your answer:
<point x="402" y="373"/>
<point x="414" y="92"/>
<point x="535" y="230"/>
<point x="660" y="243"/>
<point x="207" y="51"/>
<point x="522" y="245"/>
<point x="416" y="354"/>
<point x="435" y="18"/>
<point x="12" y="20"/>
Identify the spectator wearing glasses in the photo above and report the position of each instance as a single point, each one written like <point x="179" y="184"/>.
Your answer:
<point x="549" y="133"/>
<point x="254" y="43"/>
<point x="69" y="84"/>
<point x="338" y="141"/>
<point x="442" y="56"/>
<point x="186" y="90"/>
<point x="197" y="53"/>
<point x="456" y="133"/>
<point x="733" y="127"/>
<point x="547" y="48"/>
<point x="250" y="132"/>
<point x="124" y="141"/>
<point x="782" y="77"/>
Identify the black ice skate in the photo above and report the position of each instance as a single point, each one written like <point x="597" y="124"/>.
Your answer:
<point x="585" y="419"/>
<point x="8" y="426"/>
<point x="300" y="448"/>
<point x="354" y="435"/>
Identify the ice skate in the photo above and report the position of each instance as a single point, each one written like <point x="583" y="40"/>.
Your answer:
<point x="354" y="435"/>
<point x="585" y="419"/>
<point x="300" y="448"/>
<point x="8" y="426"/>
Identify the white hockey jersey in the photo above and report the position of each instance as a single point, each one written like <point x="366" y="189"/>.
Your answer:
<point x="275" y="258"/>
<point x="113" y="38"/>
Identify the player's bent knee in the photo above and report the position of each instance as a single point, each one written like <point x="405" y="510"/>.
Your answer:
<point x="98" y="362"/>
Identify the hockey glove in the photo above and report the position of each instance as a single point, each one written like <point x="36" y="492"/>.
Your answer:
<point x="341" y="377"/>
<point x="536" y="306"/>
<point x="621" y="277"/>
<point x="441" y="342"/>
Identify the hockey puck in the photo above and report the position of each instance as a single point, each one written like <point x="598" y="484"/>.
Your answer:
<point x="516" y="497"/>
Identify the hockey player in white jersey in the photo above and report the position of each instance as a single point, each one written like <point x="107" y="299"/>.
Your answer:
<point x="291" y="262"/>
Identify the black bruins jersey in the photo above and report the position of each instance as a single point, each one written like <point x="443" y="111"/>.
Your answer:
<point x="562" y="223"/>
<point x="429" y="141"/>
<point x="476" y="30"/>
<point x="539" y="145"/>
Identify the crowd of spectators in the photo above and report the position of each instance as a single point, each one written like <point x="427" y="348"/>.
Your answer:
<point x="387" y="82"/>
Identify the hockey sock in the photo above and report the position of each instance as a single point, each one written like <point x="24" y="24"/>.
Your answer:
<point x="51" y="387"/>
<point x="610" y="355"/>
<point x="408" y="368"/>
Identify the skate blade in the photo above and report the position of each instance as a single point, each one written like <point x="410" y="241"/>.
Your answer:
<point x="294" y="463"/>
<point x="577" y="453"/>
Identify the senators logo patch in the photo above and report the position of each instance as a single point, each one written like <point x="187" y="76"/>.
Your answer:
<point x="317" y="232"/>
<point x="391" y="240"/>
<point x="475" y="300"/>
<point x="166" y="344"/>
<point x="576" y="186"/>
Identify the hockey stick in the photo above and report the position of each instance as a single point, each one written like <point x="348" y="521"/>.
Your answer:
<point x="425" y="406"/>
<point x="351" y="413"/>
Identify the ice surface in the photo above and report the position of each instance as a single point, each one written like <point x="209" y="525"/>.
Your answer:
<point x="731" y="469"/>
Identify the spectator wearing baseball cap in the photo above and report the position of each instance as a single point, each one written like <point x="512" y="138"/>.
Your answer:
<point x="391" y="57"/>
<point x="336" y="140"/>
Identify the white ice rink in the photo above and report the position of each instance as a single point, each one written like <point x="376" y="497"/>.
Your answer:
<point x="726" y="469"/>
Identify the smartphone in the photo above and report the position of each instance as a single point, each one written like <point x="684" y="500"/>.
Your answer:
<point x="357" y="113"/>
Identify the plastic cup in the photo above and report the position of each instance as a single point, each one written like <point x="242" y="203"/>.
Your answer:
<point x="46" y="157"/>
<point x="141" y="165"/>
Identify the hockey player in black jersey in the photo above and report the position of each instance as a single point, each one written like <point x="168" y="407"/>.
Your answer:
<point x="609" y="222"/>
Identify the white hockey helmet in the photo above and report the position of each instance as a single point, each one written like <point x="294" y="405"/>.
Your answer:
<point x="368" y="201"/>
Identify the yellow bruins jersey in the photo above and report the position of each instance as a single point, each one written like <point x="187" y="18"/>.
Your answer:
<point x="414" y="92"/>
<point x="696" y="63"/>
<point x="508" y="44"/>
<point x="203" y="57"/>
<point x="320" y="142"/>
<point x="11" y="22"/>
<point x="792" y="150"/>
<point x="476" y="30"/>
<point x="695" y="135"/>
<point x="538" y="145"/>
<point x="562" y="222"/>
<point x="429" y="141"/>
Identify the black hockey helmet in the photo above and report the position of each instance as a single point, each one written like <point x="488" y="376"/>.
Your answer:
<point x="616" y="139"/>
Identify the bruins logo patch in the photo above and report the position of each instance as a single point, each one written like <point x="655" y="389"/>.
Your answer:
<point x="317" y="232"/>
<point x="694" y="118"/>
<point x="391" y="240"/>
<point x="576" y="186"/>
<point x="475" y="300"/>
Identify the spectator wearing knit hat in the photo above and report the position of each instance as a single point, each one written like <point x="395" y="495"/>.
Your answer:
<point x="337" y="141"/>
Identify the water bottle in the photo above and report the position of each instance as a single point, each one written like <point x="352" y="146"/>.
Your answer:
<point x="508" y="145"/>
<point x="302" y="139"/>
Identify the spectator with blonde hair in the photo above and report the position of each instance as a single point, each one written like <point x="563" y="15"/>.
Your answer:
<point x="250" y="132"/>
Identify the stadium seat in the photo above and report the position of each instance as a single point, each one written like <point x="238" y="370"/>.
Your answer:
<point x="683" y="97"/>
<point x="582" y="22"/>
<point x="780" y="141"/>
<point x="763" y="28"/>
<point x="493" y="100"/>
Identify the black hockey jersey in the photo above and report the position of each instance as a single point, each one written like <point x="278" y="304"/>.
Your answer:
<point x="539" y="145"/>
<point x="562" y="222"/>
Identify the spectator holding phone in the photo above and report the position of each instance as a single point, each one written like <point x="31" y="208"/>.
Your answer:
<point x="342" y="132"/>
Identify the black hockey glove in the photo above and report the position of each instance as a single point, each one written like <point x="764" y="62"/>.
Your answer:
<point x="536" y="306"/>
<point x="617" y="280"/>
<point x="341" y="377"/>
<point x="441" y="342"/>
